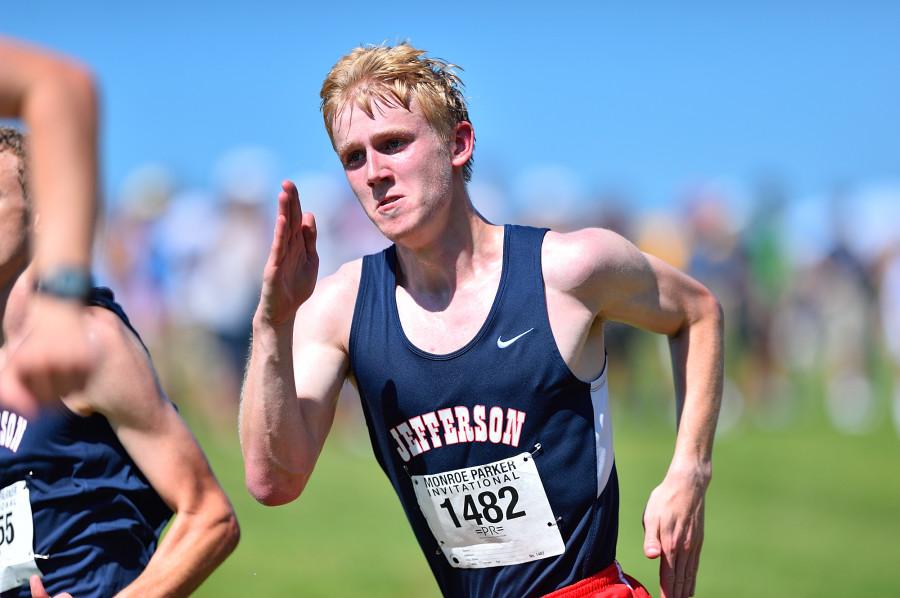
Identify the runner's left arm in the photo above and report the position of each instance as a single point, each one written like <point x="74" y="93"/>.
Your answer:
<point x="629" y="286"/>
<point x="57" y="99"/>
<point x="205" y="530"/>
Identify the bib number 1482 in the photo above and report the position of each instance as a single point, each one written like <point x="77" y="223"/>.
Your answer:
<point x="491" y="510"/>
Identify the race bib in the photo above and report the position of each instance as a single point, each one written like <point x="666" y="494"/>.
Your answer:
<point x="16" y="537"/>
<point x="490" y="515"/>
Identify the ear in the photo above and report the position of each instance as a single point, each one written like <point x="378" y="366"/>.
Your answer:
<point x="463" y="143"/>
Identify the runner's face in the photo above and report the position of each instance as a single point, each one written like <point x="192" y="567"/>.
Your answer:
<point x="398" y="167"/>
<point x="13" y="215"/>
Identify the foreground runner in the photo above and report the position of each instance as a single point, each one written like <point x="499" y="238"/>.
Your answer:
<point x="87" y="485"/>
<point x="478" y="353"/>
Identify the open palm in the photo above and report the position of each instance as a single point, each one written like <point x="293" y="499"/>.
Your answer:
<point x="289" y="277"/>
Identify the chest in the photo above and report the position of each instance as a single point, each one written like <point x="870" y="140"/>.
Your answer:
<point x="443" y="326"/>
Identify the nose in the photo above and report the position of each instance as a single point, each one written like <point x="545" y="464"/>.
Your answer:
<point x="376" y="170"/>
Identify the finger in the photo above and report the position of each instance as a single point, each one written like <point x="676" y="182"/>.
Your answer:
<point x="652" y="547"/>
<point x="278" y="243"/>
<point x="37" y="588"/>
<point x="309" y="233"/>
<point x="680" y="560"/>
<point x="276" y="253"/>
<point x="284" y="206"/>
<point x="690" y="574"/>
<point x="294" y="195"/>
<point x="289" y="187"/>
<point x="666" y="576"/>
<point x="667" y="561"/>
<point x="694" y="566"/>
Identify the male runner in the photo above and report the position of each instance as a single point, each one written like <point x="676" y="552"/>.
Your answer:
<point x="89" y="482"/>
<point x="478" y="354"/>
<point x="57" y="100"/>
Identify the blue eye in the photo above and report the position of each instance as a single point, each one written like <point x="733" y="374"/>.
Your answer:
<point x="354" y="158"/>
<point x="393" y="145"/>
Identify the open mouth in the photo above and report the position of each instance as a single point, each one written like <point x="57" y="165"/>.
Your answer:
<point x="387" y="201"/>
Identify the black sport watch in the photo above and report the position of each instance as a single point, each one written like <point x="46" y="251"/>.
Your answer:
<point x="67" y="283"/>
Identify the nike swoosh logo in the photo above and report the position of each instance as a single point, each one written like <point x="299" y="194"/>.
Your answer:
<point x="504" y="344"/>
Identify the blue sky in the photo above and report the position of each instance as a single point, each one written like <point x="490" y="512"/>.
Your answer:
<point x="642" y="97"/>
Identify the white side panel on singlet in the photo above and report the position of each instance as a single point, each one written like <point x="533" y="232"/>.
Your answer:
<point x="603" y="439"/>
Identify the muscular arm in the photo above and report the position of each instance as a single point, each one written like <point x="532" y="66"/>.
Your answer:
<point x="124" y="389"/>
<point x="57" y="100"/>
<point x="617" y="282"/>
<point x="641" y="290"/>
<point x="286" y="415"/>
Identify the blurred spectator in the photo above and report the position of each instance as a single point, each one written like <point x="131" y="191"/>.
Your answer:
<point x="130" y="261"/>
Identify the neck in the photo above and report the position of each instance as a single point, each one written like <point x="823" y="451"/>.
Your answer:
<point x="456" y="251"/>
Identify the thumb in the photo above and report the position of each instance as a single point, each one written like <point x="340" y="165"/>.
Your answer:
<point x="37" y="588"/>
<point x="652" y="548"/>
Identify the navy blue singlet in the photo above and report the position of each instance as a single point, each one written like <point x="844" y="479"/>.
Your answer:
<point x="463" y="427"/>
<point x="96" y="518"/>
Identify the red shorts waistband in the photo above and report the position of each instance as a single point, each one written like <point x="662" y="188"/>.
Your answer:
<point x="611" y="578"/>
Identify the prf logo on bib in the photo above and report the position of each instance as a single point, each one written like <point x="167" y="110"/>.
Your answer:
<point x="490" y="515"/>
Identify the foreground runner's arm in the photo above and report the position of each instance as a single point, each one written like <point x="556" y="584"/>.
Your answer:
<point x="624" y="285"/>
<point x="124" y="389"/>
<point x="283" y="425"/>
<point x="57" y="100"/>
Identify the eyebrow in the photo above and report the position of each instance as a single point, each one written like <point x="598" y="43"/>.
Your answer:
<point x="343" y="148"/>
<point x="392" y="132"/>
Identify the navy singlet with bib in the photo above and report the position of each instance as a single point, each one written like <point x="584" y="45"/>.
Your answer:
<point x="501" y="457"/>
<point x="67" y="481"/>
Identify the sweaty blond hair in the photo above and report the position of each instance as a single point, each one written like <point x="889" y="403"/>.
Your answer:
<point x="395" y="76"/>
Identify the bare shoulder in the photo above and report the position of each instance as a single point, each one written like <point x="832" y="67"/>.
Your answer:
<point x="583" y="259"/>
<point x="335" y="294"/>
<point x="124" y="380"/>
<point x="329" y="311"/>
<point x="118" y="344"/>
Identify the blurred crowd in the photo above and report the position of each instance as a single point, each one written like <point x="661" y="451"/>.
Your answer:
<point x="810" y="285"/>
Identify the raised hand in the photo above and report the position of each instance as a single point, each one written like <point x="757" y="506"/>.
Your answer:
<point x="673" y="530"/>
<point x="289" y="277"/>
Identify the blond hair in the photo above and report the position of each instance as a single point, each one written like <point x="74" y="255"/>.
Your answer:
<point x="395" y="76"/>
<point x="12" y="140"/>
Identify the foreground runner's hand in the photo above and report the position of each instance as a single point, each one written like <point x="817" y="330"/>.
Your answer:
<point x="49" y="358"/>
<point x="673" y="530"/>
<point x="38" y="591"/>
<point x="289" y="277"/>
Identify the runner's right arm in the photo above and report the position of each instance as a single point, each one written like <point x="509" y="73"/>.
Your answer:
<point x="287" y="414"/>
